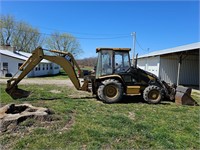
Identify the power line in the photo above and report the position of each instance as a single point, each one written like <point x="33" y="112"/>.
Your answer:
<point x="93" y="38"/>
<point x="89" y="38"/>
<point x="103" y="38"/>
<point x="81" y="33"/>
<point x="141" y="46"/>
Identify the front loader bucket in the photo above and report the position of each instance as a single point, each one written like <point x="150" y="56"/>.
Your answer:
<point x="17" y="93"/>
<point x="183" y="96"/>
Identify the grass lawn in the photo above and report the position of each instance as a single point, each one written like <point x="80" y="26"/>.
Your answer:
<point x="85" y="123"/>
<point x="62" y="75"/>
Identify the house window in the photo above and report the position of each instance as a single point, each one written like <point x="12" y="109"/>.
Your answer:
<point x="19" y="65"/>
<point x="47" y="67"/>
<point x="38" y="67"/>
<point x="43" y="67"/>
<point x="5" y="66"/>
<point x="51" y="66"/>
<point x="56" y="67"/>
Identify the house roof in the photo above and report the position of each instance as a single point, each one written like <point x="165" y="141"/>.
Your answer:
<point x="187" y="47"/>
<point x="19" y="55"/>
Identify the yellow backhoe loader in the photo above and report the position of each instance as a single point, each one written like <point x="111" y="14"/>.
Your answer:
<point x="114" y="78"/>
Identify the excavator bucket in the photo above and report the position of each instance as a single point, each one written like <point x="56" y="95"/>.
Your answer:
<point x="17" y="93"/>
<point x="183" y="96"/>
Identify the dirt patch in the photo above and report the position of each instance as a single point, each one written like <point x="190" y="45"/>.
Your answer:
<point x="55" y="91"/>
<point x="11" y="115"/>
<point x="131" y="115"/>
<point x="79" y="94"/>
<point x="40" y="81"/>
<point x="71" y="121"/>
<point x="59" y="82"/>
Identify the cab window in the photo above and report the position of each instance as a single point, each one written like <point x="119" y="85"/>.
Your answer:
<point x="122" y="63"/>
<point x="105" y="63"/>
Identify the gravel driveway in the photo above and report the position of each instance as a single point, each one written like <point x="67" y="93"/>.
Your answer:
<point x="60" y="82"/>
<point x="41" y="81"/>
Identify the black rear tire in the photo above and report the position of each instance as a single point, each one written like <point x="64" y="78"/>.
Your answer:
<point x="111" y="91"/>
<point x="153" y="94"/>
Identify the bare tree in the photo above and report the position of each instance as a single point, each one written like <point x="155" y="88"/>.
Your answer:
<point x="7" y="24"/>
<point x="25" y="37"/>
<point x="19" y="34"/>
<point x="64" y="42"/>
<point x="90" y="62"/>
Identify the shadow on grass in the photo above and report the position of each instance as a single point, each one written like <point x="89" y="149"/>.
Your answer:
<point x="132" y="99"/>
<point x="86" y="97"/>
<point x="54" y="98"/>
<point x="139" y="99"/>
<point x="41" y="98"/>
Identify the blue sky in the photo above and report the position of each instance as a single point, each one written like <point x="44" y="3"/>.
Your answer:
<point x="158" y="25"/>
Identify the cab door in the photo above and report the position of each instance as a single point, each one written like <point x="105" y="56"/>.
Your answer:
<point x="121" y="62"/>
<point x="105" y="63"/>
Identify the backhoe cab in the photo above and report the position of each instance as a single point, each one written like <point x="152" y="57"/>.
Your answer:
<point x="115" y="77"/>
<point x="112" y="61"/>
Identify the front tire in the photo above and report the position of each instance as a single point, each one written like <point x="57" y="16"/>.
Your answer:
<point x="153" y="94"/>
<point x="111" y="91"/>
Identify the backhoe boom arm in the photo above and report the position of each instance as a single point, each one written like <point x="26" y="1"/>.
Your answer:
<point x="64" y="59"/>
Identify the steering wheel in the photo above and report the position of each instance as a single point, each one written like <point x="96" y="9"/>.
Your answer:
<point x="118" y="67"/>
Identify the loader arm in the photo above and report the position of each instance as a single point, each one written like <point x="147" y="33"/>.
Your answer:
<point x="64" y="59"/>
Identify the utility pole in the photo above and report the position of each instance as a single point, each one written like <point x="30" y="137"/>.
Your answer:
<point x="134" y="42"/>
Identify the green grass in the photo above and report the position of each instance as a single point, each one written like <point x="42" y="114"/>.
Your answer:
<point x="61" y="75"/>
<point x="97" y="125"/>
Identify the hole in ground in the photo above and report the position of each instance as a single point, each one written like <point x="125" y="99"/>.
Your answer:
<point x="16" y="109"/>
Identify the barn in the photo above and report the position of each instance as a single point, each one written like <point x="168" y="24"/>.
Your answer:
<point x="11" y="60"/>
<point x="179" y="65"/>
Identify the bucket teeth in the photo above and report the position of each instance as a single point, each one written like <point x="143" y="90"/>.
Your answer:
<point x="183" y="96"/>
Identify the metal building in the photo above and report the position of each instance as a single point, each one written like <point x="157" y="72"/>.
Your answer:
<point x="179" y="65"/>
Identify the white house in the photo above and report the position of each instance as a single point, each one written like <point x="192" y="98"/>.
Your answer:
<point x="11" y="60"/>
<point x="179" y="65"/>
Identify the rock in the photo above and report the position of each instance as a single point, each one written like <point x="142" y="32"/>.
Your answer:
<point x="11" y="115"/>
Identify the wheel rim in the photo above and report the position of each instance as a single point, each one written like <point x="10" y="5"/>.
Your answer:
<point x="110" y="91"/>
<point x="154" y="95"/>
